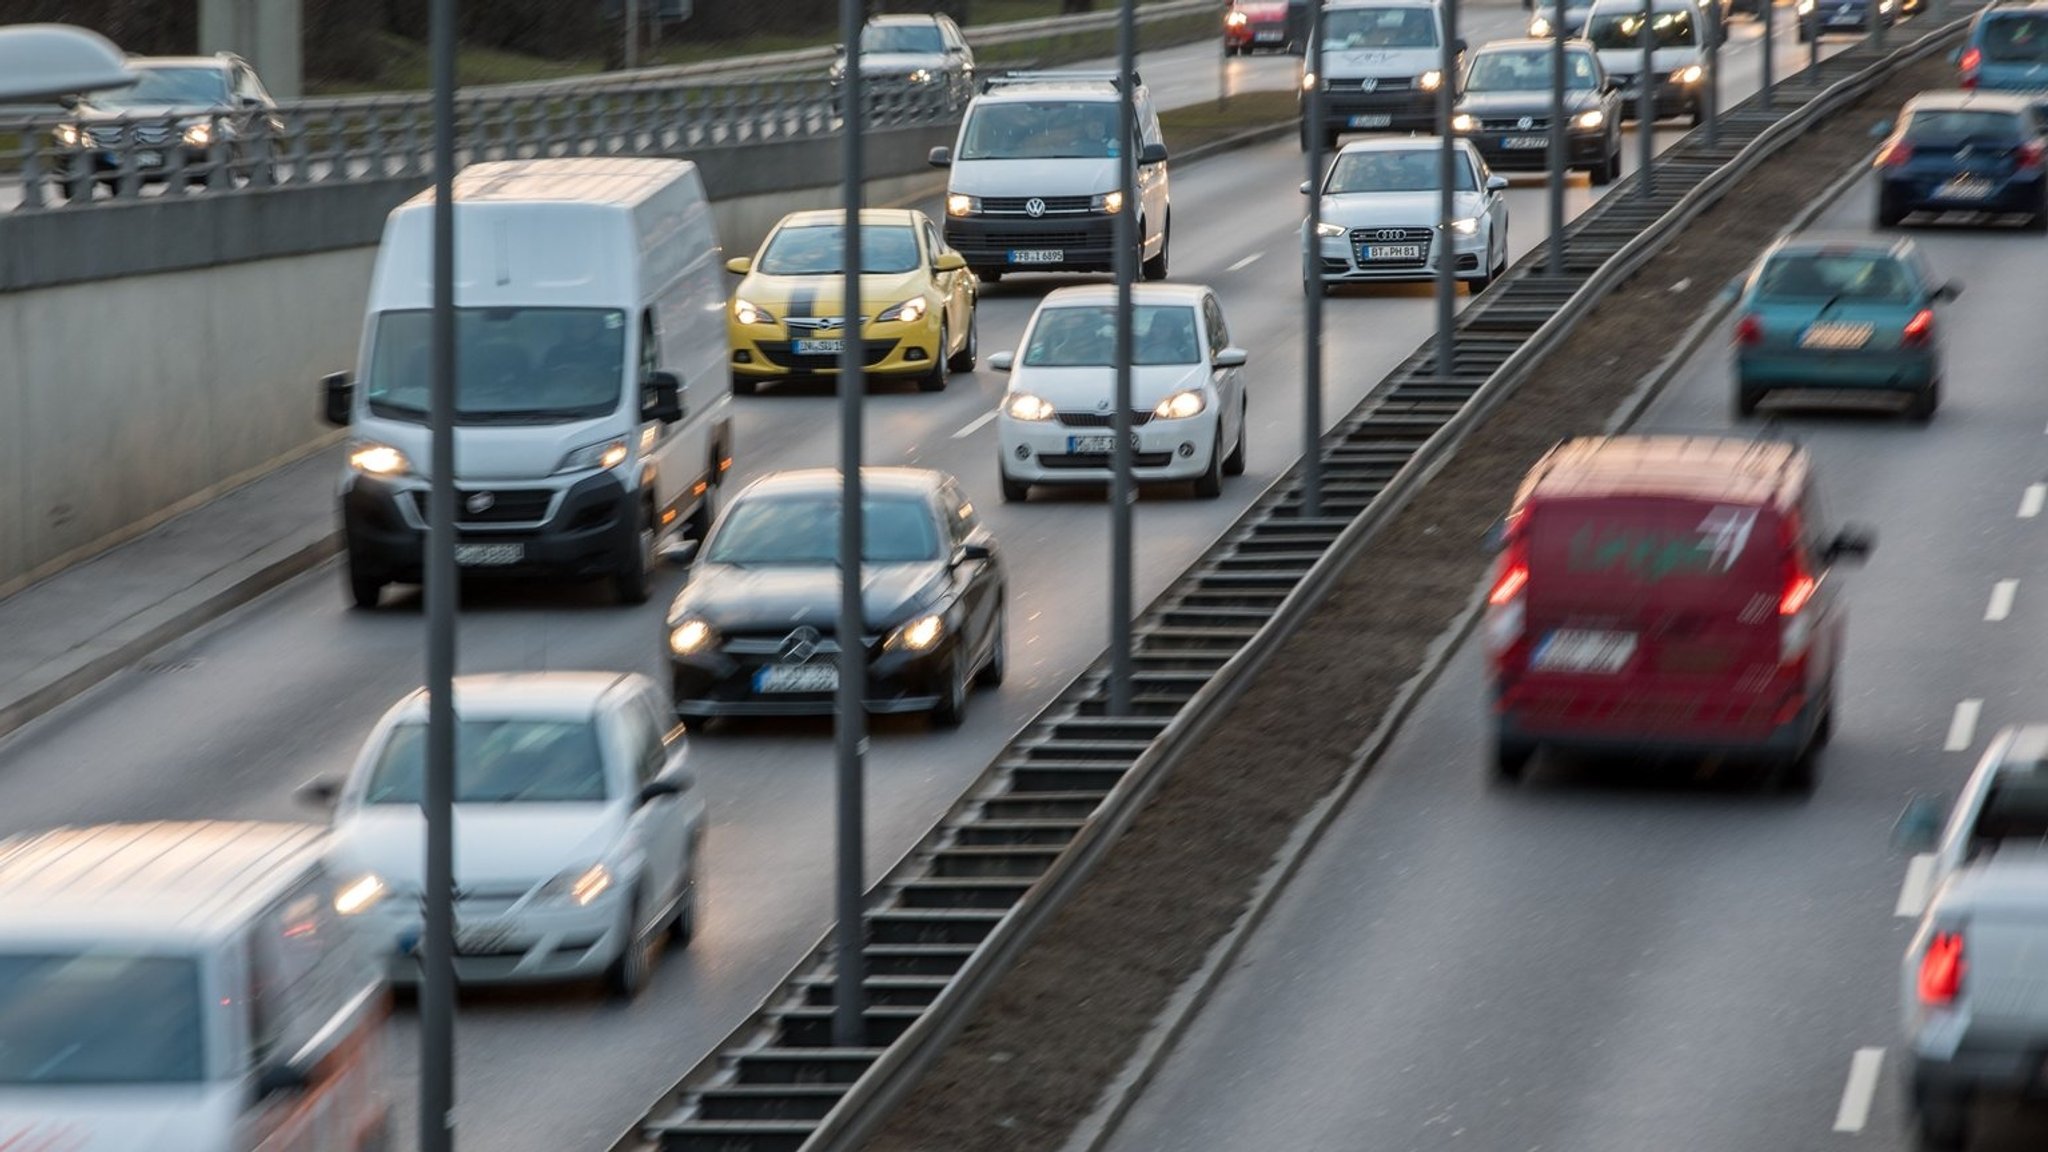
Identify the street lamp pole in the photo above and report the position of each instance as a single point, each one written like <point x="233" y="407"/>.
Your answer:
<point x="1123" y="491"/>
<point x="1560" y="137"/>
<point x="1312" y="137"/>
<point x="1446" y="202"/>
<point x="1646" y="106"/>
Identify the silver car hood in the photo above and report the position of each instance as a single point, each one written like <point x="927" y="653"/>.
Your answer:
<point x="1394" y="209"/>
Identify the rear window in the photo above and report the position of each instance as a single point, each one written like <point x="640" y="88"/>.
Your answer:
<point x="2015" y="38"/>
<point x="1931" y="124"/>
<point x="2015" y="812"/>
<point x="99" y="1018"/>
<point x="1838" y="276"/>
<point x="1627" y="546"/>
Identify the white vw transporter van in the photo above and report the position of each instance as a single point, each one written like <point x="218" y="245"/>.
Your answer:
<point x="591" y="407"/>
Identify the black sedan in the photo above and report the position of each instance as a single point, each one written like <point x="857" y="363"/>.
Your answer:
<point x="754" y="631"/>
<point x="1505" y="108"/>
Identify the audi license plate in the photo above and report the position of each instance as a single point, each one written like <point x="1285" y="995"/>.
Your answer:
<point x="1836" y="337"/>
<point x="1964" y="188"/>
<point x="819" y="347"/>
<point x="1269" y="35"/>
<point x="1518" y="142"/>
<point x="1578" y="650"/>
<point x="1378" y="252"/>
<point x="149" y="159"/>
<point x="489" y="555"/>
<point x="797" y="678"/>
<point x="1371" y="120"/>
<point x="1037" y="255"/>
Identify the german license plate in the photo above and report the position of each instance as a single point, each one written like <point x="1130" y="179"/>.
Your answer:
<point x="819" y="347"/>
<point x="1371" y="120"/>
<point x="149" y="159"/>
<point x="797" y="678"/>
<point x="1037" y="255"/>
<point x="1964" y="188"/>
<point x="1524" y="141"/>
<point x="1098" y="444"/>
<point x="1580" y="650"/>
<point x="1269" y="35"/>
<point x="1375" y="252"/>
<point x="1835" y="337"/>
<point x="489" y="555"/>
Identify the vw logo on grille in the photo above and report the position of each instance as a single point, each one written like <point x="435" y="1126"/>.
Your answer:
<point x="1102" y="405"/>
<point x="480" y="502"/>
<point x="800" y="645"/>
<point x="1524" y="122"/>
<point x="1034" y="207"/>
<point x="1368" y="84"/>
<point x="1387" y="234"/>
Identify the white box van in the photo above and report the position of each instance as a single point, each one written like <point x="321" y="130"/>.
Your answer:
<point x="591" y="406"/>
<point x="1383" y="62"/>
<point x="185" y="988"/>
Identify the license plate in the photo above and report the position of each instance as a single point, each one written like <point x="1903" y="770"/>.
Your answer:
<point x="1964" y="188"/>
<point x="1835" y="336"/>
<point x="1037" y="255"/>
<point x="1524" y="141"/>
<point x="1269" y="36"/>
<point x="1099" y="444"/>
<point x="1577" y="650"/>
<point x="489" y="555"/>
<point x="797" y="678"/>
<point x="1393" y="252"/>
<point x="149" y="159"/>
<point x="1374" y="120"/>
<point x="819" y="347"/>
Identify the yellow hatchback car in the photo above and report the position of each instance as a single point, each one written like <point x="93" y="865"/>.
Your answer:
<point x="917" y="301"/>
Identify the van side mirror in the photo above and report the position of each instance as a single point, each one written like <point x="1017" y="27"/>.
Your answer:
<point x="1948" y="292"/>
<point x="1304" y="187"/>
<point x="319" y="792"/>
<point x="740" y="265"/>
<point x="338" y="396"/>
<point x="661" y="398"/>
<point x="278" y="1078"/>
<point x="1853" y="542"/>
<point x="1154" y="153"/>
<point x="940" y="157"/>
<point x="1231" y="358"/>
<point x="949" y="262"/>
<point x="1002" y="361"/>
<point x="656" y="790"/>
<point x="1918" y="828"/>
<point x="971" y="554"/>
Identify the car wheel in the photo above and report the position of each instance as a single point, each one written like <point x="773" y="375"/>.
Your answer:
<point x="1889" y="213"/>
<point x="1921" y="410"/>
<point x="1233" y="464"/>
<point x="998" y="665"/>
<point x="987" y="275"/>
<point x="971" y="350"/>
<point x="742" y="385"/>
<point x="1941" y="1123"/>
<point x="630" y="582"/>
<point x="1746" y="401"/>
<point x="1155" y="268"/>
<point x="630" y="973"/>
<point x="1511" y="759"/>
<point x="1603" y="173"/>
<point x="1014" y="491"/>
<point x="1800" y="775"/>
<point x="935" y="380"/>
<point x="1824" y="732"/>
<point x="365" y="584"/>
<point x="682" y="927"/>
<point x="2038" y="222"/>
<point x="1699" y="116"/>
<point x="1209" y="485"/>
<point x="951" y="710"/>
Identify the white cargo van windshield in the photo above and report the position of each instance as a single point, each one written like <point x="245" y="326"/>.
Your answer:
<point x="1041" y="130"/>
<point x="1354" y="29"/>
<point x="89" y="1017"/>
<point x="513" y="365"/>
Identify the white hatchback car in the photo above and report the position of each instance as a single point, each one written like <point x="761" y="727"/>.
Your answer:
<point x="1055" y="422"/>
<point x="577" y="830"/>
<point x="1380" y="217"/>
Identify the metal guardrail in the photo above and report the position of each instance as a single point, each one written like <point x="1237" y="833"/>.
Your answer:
<point x="668" y="111"/>
<point x="947" y="921"/>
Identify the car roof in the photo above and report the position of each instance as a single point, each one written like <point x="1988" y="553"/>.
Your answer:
<point x="815" y="217"/>
<point x="557" y="695"/>
<point x="1757" y="472"/>
<point x="1398" y="144"/>
<point x="826" y="481"/>
<point x="221" y="61"/>
<point x="1527" y="43"/>
<point x="1015" y="92"/>
<point x="1956" y="100"/>
<point x="1336" y="5"/>
<point x="191" y="881"/>
<point x="889" y="19"/>
<point x="1637" y="6"/>
<point x="1805" y="243"/>
<point x="1156" y="293"/>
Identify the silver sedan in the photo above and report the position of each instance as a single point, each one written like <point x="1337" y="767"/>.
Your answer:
<point x="1379" y="219"/>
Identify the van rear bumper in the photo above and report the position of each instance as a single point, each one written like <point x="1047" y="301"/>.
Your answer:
<point x="590" y="532"/>
<point x="1763" y="740"/>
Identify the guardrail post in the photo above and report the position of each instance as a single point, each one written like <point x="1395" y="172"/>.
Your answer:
<point x="220" y="173"/>
<point x="31" y="170"/>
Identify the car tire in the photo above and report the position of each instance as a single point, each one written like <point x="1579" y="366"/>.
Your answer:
<point x="1511" y="759"/>
<point x="1746" y="401"/>
<point x="1889" y="213"/>
<point x="1800" y="775"/>
<point x="1233" y="464"/>
<point x="682" y="926"/>
<point x="1924" y="403"/>
<point x="365" y="584"/>
<point x="1014" y="491"/>
<point x="935" y="380"/>
<point x="1603" y="173"/>
<point x="632" y="582"/>
<point x="743" y="385"/>
<point x="1209" y="485"/>
<point x="1941" y="1122"/>
<point x="630" y="974"/>
<point x="951" y="710"/>
<point x="1155" y="268"/>
<point x="987" y="275"/>
<point x="971" y="350"/>
<point x="1699" y="115"/>
<point x="2038" y="222"/>
<point x="998" y="666"/>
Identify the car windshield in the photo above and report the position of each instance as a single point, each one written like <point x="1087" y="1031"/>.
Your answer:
<point x="2015" y="811"/>
<point x="816" y="249"/>
<point x="1624" y="29"/>
<point x="1085" y="337"/>
<point x="1843" y="276"/>
<point x="1928" y="125"/>
<point x="207" y="87"/>
<point x="923" y="39"/>
<point x="497" y="762"/>
<point x="1528" y="70"/>
<point x="2015" y="38"/>
<point x="1041" y="130"/>
<point x="1345" y="29"/>
<point x="513" y="365"/>
<point x="1394" y="170"/>
<point x="93" y="1017"/>
<point x="775" y="528"/>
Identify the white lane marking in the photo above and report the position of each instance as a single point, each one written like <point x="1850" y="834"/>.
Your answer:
<point x="974" y="427"/>
<point x="1962" y="730"/>
<point x="1244" y="263"/>
<point x="2032" y="499"/>
<point x="1860" y="1090"/>
<point x="2001" y="599"/>
<point x="1913" y="893"/>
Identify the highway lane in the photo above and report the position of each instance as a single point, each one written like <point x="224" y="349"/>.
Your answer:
<point x="1603" y="963"/>
<point x="231" y="720"/>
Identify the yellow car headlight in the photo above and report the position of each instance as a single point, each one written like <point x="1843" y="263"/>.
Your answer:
<point x="690" y="637"/>
<point x="199" y="135"/>
<point x="1181" y="405"/>
<point x="1539" y="27"/>
<point x="378" y="459"/>
<point x="1328" y="230"/>
<point x="1466" y="227"/>
<point x="1025" y="406"/>
<point x="919" y="635"/>
<point x="1237" y="20"/>
<point x="578" y="886"/>
<point x="748" y="312"/>
<point x="910" y="311"/>
<point x="70" y="135"/>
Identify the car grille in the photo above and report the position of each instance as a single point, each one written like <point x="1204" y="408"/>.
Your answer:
<point x="772" y="645"/>
<point x="1104" y="460"/>
<point x="1372" y="85"/>
<point x="1390" y="235"/>
<point x="1515" y="124"/>
<point x="777" y="352"/>
<point x="999" y="238"/>
<point x="1099" y="419"/>
<point x="1054" y="205"/>
<point x="818" y="323"/>
<point x="513" y="506"/>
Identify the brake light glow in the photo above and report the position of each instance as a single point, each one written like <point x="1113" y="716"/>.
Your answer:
<point x="1895" y="154"/>
<point x="1795" y="623"/>
<point x="1941" y="970"/>
<point x="1797" y="592"/>
<point x="1749" y="331"/>
<point x="2031" y="154"/>
<point x="1505" y="608"/>
<point x="1969" y="62"/>
<point x="1919" y="329"/>
<point x="1509" y="585"/>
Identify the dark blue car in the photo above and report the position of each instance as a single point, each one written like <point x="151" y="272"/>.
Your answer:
<point x="2007" y="51"/>
<point x="1977" y="152"/>
<point x="1841" y="17"/>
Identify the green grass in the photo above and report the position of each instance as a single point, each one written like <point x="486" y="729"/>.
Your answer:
<point x="1204" y="123"/>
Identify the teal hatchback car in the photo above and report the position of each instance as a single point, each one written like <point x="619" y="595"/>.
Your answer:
<point x="1821" y="320"/>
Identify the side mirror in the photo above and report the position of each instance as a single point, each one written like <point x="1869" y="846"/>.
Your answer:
<point x="1230" y="358"/>
<point x="1852" y="543"/>
<point x="1732" y="290"/>
<point x="1956" y="57"/>
<point x="1918" y="828"/>
<point x="1459" y="45"/>
<point x="1152" y="154"/>
<point x="740" y="265"/>
<point x="250" y="102"/>
<point x="941" y="157"/>
<point x="680" y="552"/>
<point x="319" y="792"/>
<point x="1305" y="187"/>
<point x="338" y="396"/>
<point x="281" y="1078"/>
<point x="656" y="790"/>
<point x="1880" y="130"/>
<point x="949" y="262"/>
<point x="1496" y="182"/>
<point x="1496" y="536"/>
<point x="972" y="553"/>
<point x="1948" y="292"/>
<point x="661" y="398"/>
<point x="1002" y="361"/>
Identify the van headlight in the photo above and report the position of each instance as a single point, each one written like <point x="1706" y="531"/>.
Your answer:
<point x="1464" y="122"/>
<point x="1331" y="231"/>
<point x="748" y="312"/>
<point x="604" y="456"/>
<point x="1430" y="81"/>
<point x="199" y="135"/>
<point x="578" y="886"/>
<point x="919" y="635"/>
<point x="1108" y="203"/>
<point x="1181" y="405"/>
<point x="374" y="459"/>
<point x="958" y="204"/>
<point x="360" y="895"/>
<point x="910" y="311"/>
<point x="1025" y="406"/>
<point x="1690" y="74"/>
<point x="690" y="636"/>
<point x="1592" y="119"/>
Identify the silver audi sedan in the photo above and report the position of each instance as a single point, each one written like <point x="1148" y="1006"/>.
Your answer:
<point x="1379" y="219"/>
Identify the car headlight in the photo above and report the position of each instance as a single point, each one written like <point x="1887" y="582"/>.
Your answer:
<point x="1325" y="228"/>
<point x="959" y="205"/>
<point x="921" y="76"/>
<point x="1236" y="20"/>
<point x="1690" y="74"/>
<point x="1804" y="7"/>
<point x="1539" y="27"/>
<point x="1430" y="81"/>
<point x="1181" y="405"/>
<point x="604" y="456"/>
<point x="919" y="635"/>
<point x="1592" y="119"/>
<point x="1025" y="406"/>
<point x="690" y="637"/>
<point x="910" y="311"/>
<point x="1109" y="203"/>
<point x="1466" y="227"/>
<point x="199" y="135"/>
<point x="838" y="70"/>
<point x="1464" y="122"/>
<point x="360" y="895"/>
<point x="376" y="459"/>
<point x="748" y="312"/>
<point x="71" y="136"/>
<point x="578" y="886"/>
<point x="1308" y="82"/>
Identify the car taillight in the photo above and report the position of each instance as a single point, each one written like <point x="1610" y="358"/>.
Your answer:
<point x="1919" y="330"/>
<point x="1795" y="623"/>
<point x="1504" y="602"/>
<point x="1749" y="331"/>
<point x="2030" y="154"/>
<point x="1941" y="970"/>
<point x="1969" y="62"/>
<point x="1895" y="154"/>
